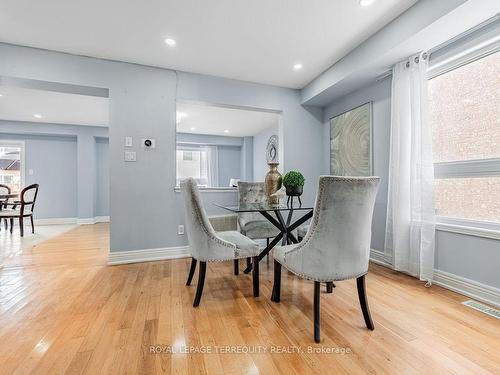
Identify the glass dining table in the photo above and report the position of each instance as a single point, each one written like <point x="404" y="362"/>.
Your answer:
<point x="286" y="227"/>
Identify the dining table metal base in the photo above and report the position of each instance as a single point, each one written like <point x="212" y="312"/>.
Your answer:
<point x="286" y="228"/>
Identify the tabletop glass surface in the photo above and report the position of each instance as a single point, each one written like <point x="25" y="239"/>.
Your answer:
<point x="264" y="206"/>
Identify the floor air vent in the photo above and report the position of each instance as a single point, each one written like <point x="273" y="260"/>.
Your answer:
<point x="483" y="308"/>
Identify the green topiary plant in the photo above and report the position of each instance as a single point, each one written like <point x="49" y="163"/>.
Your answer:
<point x="293" y="179"/>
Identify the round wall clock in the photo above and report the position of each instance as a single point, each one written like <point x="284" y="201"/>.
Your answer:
<point x="272" y="149"/>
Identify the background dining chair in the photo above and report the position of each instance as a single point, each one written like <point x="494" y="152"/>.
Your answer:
<point x="337" y="245"/>
<point x="4" y="189"/>
<point x="253" y="224"/>
<point x="26" y="207"/>
<point x="206" y="245"/>
<point x="302" y="231"/>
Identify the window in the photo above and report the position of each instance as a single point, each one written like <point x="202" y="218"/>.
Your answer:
<point x="193" y="162"/>
<point x="11" y="165"/>
<point x="464" y="110"/>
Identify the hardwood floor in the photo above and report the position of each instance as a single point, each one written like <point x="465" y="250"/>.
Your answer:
<point x="62" y="310"/>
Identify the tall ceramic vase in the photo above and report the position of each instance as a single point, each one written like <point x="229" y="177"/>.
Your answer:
<point x="272" y="182"/>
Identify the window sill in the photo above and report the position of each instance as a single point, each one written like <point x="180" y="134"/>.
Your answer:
<point x="212" y="190"/>
<point x="468" y="230"/>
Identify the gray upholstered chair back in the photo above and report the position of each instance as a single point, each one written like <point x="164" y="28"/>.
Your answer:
<point x="337" y="245"/>
<point x="198" y="227"/>
<point x="251" y="192"/>
<point x="204" y="243"/>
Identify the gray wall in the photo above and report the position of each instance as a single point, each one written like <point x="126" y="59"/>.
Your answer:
<point x="102" y="177"/>
<point x="53" y="161"/>
<point x="380" y="96"/>
<point x="52" y="151"/>
<point x="229" y="164"/>
<point x="471" y="257"/>
<point x="260" y="167"/>
<point x="142" y="103"/>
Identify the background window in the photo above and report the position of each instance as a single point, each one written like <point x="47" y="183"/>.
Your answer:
<point x="10" y="166"/>
<point x="464" y="110"/>
<point x="192" y="163"/>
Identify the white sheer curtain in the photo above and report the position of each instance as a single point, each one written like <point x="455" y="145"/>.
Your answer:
<point x="410" y="228"/>
<point x="213" y="166"/>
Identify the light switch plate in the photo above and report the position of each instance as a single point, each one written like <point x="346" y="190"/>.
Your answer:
<point x="130" y="156"/>
<point x="128" y="142"/>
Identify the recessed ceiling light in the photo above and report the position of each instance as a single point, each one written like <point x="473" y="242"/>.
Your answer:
<point x="297" y="66"/>
<point x="170" y="42"/>
<point x="365" y="3"/>
<point x="226" y="131"/>
<point x="36" y="115"/>
<point x="193" y="129"/>
<point x="1" y="95"/>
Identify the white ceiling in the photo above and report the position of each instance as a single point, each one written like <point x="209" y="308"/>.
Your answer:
<point x="258" y="40"/>
<point x="21" y="104"/>
<point x="207" y="119"/>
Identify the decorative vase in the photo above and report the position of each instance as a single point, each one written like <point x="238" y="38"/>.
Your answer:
<point x="272" y="183"/>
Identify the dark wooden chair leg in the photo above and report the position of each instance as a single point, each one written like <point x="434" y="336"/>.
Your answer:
<point x="276" y="295"/>
<point x="201" y="282"/>
<point x="317" y="315"/>
<point x="249" y="262"/>
<point x="360" y="281"/>
<point x="191" y="271"/>
<point x="329" y="286"/>
<point x="236" y="266"/>
<point x="255" y="276"/>
<point x="32" y="225"/>
<point x="21" y="226"/>
<point x="11" y="224"/>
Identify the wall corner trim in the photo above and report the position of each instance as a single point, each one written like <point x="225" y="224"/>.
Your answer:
<point x="147" y="255"/>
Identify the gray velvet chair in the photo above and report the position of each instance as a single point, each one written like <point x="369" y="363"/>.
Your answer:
<point x="253" y="224"/>
<point x="337" y="245"/>
<point x="302" y="231"/>
<point x="206" y="245"/>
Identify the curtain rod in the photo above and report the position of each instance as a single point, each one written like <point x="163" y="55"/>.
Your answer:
<point x="485" y="23"/>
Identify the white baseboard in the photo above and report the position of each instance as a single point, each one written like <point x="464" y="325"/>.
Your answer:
<point x="378" y="257"/>
<point x="93" y="220"/>
<point x="48" y="221"/>
<point x="467" y="287"/>
<point x="148" y="255"/>
<point x="66" y="220"/>
<point x="458" y="284"/>
<point x="56" y="221"/>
